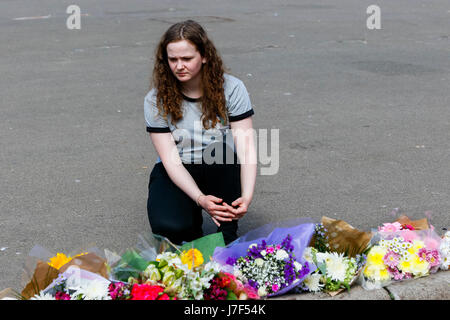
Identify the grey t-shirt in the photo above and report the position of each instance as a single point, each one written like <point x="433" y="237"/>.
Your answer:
<point x="191" y="138"/>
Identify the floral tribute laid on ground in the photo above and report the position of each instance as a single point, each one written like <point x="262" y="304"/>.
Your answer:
<point x="293" y="256"/>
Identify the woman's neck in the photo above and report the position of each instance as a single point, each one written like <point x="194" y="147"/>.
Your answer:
<point x="192" y="88"/>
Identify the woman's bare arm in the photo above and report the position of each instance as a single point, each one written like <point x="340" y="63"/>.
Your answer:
<point x="244" y="139"/>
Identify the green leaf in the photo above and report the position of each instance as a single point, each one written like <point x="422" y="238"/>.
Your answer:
<point x="323" y="268"/>
<point x="231" y="296"/>
<point x="206" y="245"/>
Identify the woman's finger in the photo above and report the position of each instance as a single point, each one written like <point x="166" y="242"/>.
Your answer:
<point x="221" y="214"/>
<point x="230" y="208"/>
<point x="237" y="202"/>
<point x="215" y="221"/>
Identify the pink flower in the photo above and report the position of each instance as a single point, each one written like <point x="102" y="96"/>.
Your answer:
<point x="390" y="227"/>
<point x="62" y="296"/>
<point x="433" y="258"/>
<point x="278" y="247"/>
<point x="391" y="259"/>
<point x="275" y="288"/>
<point x="146" y="292"/>
<point x="251" y="292"/>
<point x="270" y="250"/>
<point x="423" y="254"/>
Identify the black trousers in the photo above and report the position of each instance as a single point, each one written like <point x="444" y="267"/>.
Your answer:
<point x="173" y="214"/>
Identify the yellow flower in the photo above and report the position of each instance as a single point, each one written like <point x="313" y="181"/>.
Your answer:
<point x="405" y="263"/>
<point x="416" y="246"/>
<point x="192" y="257"/>
<point x="375" y="257"/>
<point x="384" y="274"/>
<point x="419" y="267"/>
<point x="59" y="260"/>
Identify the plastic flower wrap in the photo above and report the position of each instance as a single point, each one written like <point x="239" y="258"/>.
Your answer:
<point x="270" y="258"/>
<point x="401" y="252"/>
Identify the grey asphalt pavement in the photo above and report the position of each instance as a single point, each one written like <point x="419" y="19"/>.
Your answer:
<point x="363" y="115"/>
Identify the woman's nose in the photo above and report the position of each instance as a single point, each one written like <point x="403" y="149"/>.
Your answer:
<point x="180" y="65"/>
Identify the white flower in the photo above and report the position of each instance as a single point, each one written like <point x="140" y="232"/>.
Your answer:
<point x="94" y="290"/>
<point x="262" y="292"/>
<point x="252" y="245"/>
<point x="263" y="253"/>
<point x="307" y="254"/>
<point x="336" y="267"/>
<point x="445" y="263"/>
<point x="259" y="262"/>
<point x="42" y="296"/>
<point x="322" y="257"/>
<point x="281" y="255"/>
<point x="297" y="266"/>
<point x="213" y="266"/>
<point x="312" y="282"/>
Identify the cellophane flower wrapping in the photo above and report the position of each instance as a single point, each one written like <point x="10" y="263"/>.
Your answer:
<point x="273" y="236"/>
<point x="400" y="253"/>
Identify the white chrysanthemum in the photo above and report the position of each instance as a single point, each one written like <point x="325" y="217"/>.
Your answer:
<point x="42" y="296"/>
<point x="94" y="290"/>
<point x="445" y="263"/>
<point x="312" y="282"/>
<point x="337" y="267"/>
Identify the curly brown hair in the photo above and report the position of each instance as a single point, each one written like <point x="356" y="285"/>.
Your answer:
<point x="169" y="96"/>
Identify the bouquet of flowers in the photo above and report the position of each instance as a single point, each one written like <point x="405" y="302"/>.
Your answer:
<point x="48" y="269"/>
<point x="272" y="263"/>
<point x="270" y="268"/>
<point x="335" y="271"/>
<point x="75" y="284"/>
<point x="178" y="272"/>
<point x="401" y="252"/>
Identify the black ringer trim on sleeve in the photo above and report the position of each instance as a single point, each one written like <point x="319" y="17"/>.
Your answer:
<point x="247" y="114"/>
<point x="160" y="130"/>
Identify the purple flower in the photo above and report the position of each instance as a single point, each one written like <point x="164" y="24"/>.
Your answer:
<point x="231" y="261"/>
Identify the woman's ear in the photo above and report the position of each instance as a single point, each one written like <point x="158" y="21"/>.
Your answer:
<point x="204" y="60"/>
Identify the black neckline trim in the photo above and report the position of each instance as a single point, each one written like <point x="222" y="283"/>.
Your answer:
<point x="191" y="99"/>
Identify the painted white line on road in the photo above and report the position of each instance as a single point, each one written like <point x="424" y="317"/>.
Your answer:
<point x="33" y="18"/>
<point x="44" y="17"/>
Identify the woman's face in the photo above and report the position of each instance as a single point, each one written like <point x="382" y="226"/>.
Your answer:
<point x="184" y="60"/>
